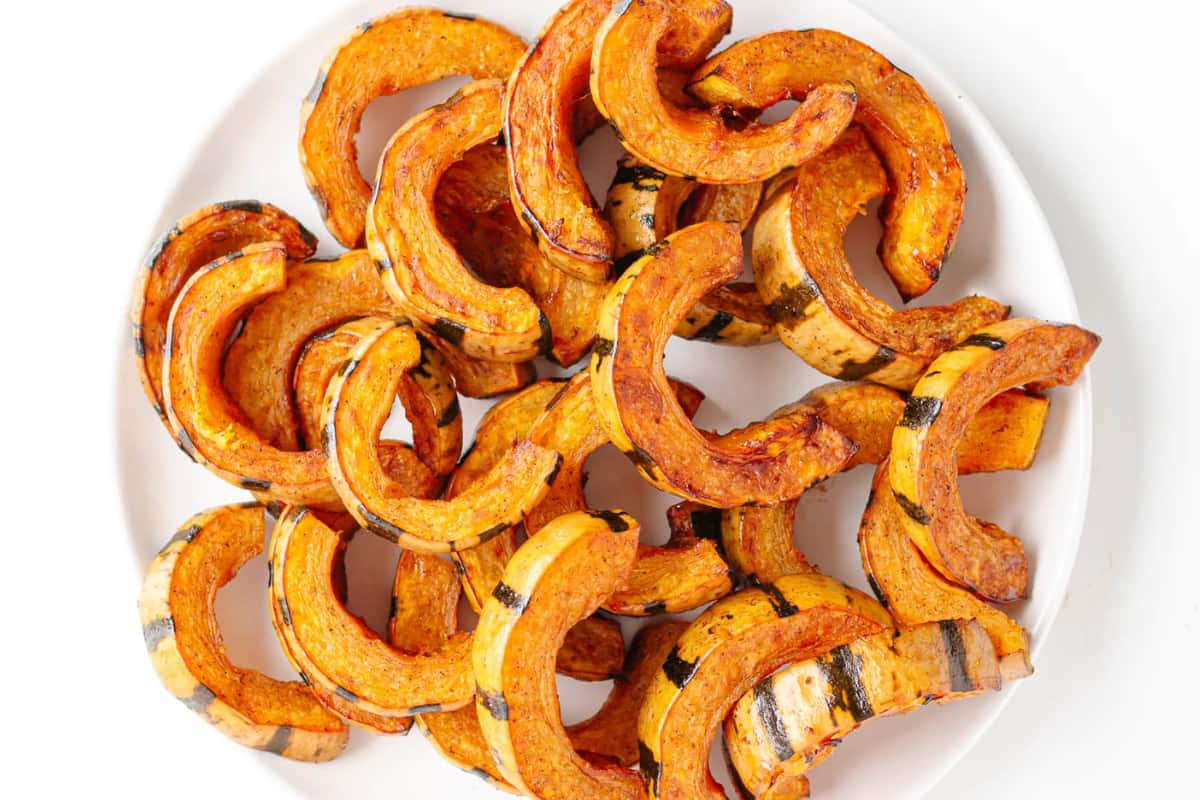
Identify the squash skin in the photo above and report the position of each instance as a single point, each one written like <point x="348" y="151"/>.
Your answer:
<point x="727" y="650"/>
<point x="763" y="463"/>
<point x="202" y="236"/>
<point x="554" y="580"/>
<point x="915" y="593"/>
<point x="824" y="314"/>
<point x="184" y="642"/>
<point x="792" y="720"/>
<point x="974" y="553"/>
<point x="358" y="402"/>
<point x="207" y="424"/>
<point x="363" y="68"/>
<point x="420" y="268"/>
<point x="922" y="215"/>
<point x="694" y="142"/>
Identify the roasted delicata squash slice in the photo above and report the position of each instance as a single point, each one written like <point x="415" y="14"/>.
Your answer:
<point x="184" y="641"/>
<point x="789" y="722"/>
<point x="478" y="377"/>
<point x="824" y="314"/>
<point x="922" y="214"/>
<point x="398" y="51"/>
<point x="645" y="206"/>
<point x="358" y="402"/>
<point x="972" y="552"/>
<point x="554" y="580"/>
<point x="207" y="424"/>
<point x="726" y="651"/>
<point x="201" y="237"/>
<point x="420" y="268"/>
<point x="763" y="463"/>
<point x="696" y="143"/>
<point x="915" y="593"/>
<point x="758" y="540"/>
<point x="476" y="214"/>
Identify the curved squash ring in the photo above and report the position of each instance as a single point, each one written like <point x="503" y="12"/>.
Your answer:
<point x="358" y="402"/>
<point x="974" y="553"/>
<point x="763" y="463"/>
<point x="914" y="592"/>
<point x="922" y="215"/>
<point x="726" y="651"/>
<point x="758" y="541"/>
<point x="202" y="236"/>
<point x="207" y="424"/>
<point x="792" y="720"/>
<point x="695" y="143"/>
<point x="645" y="206"/>
<point x="554" y="580"/>
<point x="475" y="213"/>
<point x="478" y="377"/>
<point x="420" y="268"/>
<point x="824" y="314"/>
<point x="394" y="52"/>
<point x="183" y="639"/>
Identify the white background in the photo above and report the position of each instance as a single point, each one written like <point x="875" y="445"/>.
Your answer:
<point x="102" y="103"/>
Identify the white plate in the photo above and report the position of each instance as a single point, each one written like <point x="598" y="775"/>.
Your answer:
<point x="1005" y="250"/>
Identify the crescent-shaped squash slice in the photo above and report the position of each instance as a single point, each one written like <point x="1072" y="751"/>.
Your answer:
<point x="696" y="143"/>
<point x="977" y="554"/>
<point x="554" y="580"/>
<point x="824" y="314"/>
<point x="612" y="731"/>
<point x="358" y="402"/>
<point x="923" y="212"/>
<point x="420" y="268"/>
<point x="765" y="462"/>
<point x="259" y="364"/>
<point x="475" y="213"/>
<point x="479" y="377"/>
<point x="914" y="592"/>
<point x="646" y="205"/>
<point x="207" y="424"/>
<point x="726" y="651"/>
<point x="792" y="720"/>
<point x="758" y="540"/>
<point x="202" y="236"/>
<point x="391" y="53"/>
<point x="183" y="638"/>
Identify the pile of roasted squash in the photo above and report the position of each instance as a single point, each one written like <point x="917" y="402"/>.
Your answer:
<point x="477" y="247"/>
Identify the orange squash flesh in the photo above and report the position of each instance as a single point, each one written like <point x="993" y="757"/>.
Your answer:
<point x="824" y="314"/>
<point x="207" y="424"/>
<point x="478" y="377"/>
<point x="726" y="651"/>
<point x="975" y="553"/>
<point x="420" y="268"/>
<point x="202" y="236"/>
<point x="695" y="143"/>
<point x="183" y="639"/>
<point x="922" y="215"/>
<point x="764" y="463"/>
<point x="394" y="52"/>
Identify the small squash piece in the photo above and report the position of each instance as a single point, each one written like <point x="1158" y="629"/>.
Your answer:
<point x="207" y="424"/>
<point x="420" y="268"/>
<point x="183" y="639"/>
<point x="478" y="377"/>
<point x="922" y="214"/>
<point x="765" y="462"/>
<point x="977" y="554"/>
<point x="696" y="143"/>
<point x="726" y="651"/>
<point x="391" y="53"/>
<point x="202" y="236"/>
<point x="358" y="402"/>
<point x="554" y="580"/>
<point x="790" y="722"/>
<point x="914" y="592"/>
<point x="824" y="314"/>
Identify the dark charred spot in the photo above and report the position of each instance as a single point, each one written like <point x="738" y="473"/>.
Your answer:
<point x="706" y="523"/>
<point x="449" y="330"/>
<point x="554" y="472"/>
<point x="678" y="670"/>
<point x="657" y="248"/>
<point x="494" y="702"/>
<point x="657" y="607"/>
<point x="793" y="300"/>
<point x="623" y="263"/>
<point x="450" y="414"/>
<point x="711" y="331"/>
<point x="509" y="597"/>
<point x="857" y="370"/>
<point x="981" y="340"/>
<point x="920" y="412"/>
